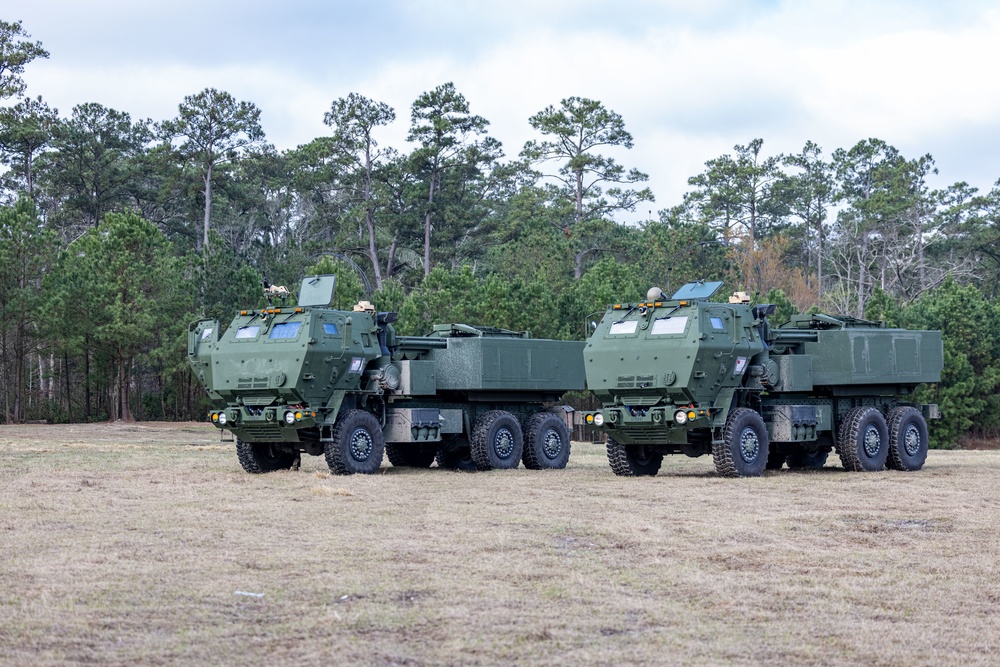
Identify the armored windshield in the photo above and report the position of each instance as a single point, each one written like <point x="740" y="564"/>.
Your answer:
<point x="698" y="290"/>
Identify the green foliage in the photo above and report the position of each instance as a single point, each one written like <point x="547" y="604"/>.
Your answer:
<point x="26" y="250"/>
<point x="225" y="281"/>
<point x="881" y="307"/>
<point x="91" y="166"/>
<point x="574" y="131"/>
<point x="214" y="130"/>
<point x="970" y="329"/>
<point x="391" y="297"/>
<point x="459" y="296"/>
<point x="15" y="53"/>
<point x="25" y="130"/>
<point x="785" y="308"/>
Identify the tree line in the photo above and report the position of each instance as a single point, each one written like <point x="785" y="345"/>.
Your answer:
<point x="116" y="232"/>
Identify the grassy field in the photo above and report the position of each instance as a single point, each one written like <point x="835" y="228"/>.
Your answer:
<point x="139" y="544"/>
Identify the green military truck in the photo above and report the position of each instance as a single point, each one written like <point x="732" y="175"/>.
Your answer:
<point x="312" y="379"/>
<point x="689" y="375"/>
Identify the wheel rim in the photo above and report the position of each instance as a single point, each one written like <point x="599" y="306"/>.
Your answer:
<point x="749" y="444"/>
<point x="872" y="442"/>
<point x="503" y="443"/>
<point x="551" y="444"/>
<point x="361" y="444"/>
<point x="911" y="440"/>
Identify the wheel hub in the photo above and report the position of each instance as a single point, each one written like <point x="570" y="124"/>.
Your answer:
<point x="551" y="444"/>
<point x="872" y="442"/>
<point x="749" y="445"/>
<point x="361" y="445"/>
<point x="503" y="443"/>
<point x="911" y="440"/>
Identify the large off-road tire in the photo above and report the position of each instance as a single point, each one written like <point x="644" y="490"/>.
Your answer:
<point x="357" y="445"/>
<point x="411" y="455"/>
<point x="633" y="460"/>
<point x="456" y="459"/>
<point x="546" y="441"/>
<point x="802" y="459"/>
<point x="261" y="457"/>
<point x="497" y="441"/>
<point x="863" y="440"/>
<point x="908" y="439"/>
<point x="745" y="446"/>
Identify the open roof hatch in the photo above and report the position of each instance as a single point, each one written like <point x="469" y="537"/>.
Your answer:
<point x="697" y="291"/>
<point x="317" y="290"/>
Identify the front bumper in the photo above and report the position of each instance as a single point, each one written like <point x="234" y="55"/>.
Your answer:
<point x="274" y="423"/>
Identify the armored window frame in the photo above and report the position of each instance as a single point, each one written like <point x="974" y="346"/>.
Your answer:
<point x="248" y="332"/>
<point x="626" y="328"/>
<point x="285" y="331"/>
<point x="669" y="326"/>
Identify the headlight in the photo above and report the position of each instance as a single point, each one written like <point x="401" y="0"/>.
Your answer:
<point x="598" y="419"/>
<point x="222" y="418"/>
<point x="680" y="417"/>
<point x="289" y="418"/>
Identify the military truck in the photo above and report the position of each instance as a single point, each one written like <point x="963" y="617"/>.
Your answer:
<point x="689" y="375"/>
<point x="313" y="379"/>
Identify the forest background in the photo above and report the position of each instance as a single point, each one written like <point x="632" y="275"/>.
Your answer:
<point x="116" y="232"/>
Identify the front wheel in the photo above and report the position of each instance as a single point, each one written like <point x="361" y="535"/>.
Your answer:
<point x="546" y="442"/>
<point x="497" y="441"/>
<point x="633" y="460"/>
<point x="863" y="442"/>
<point x="357" y="445"/>
<point x="908" y="441"/>
<point x="744" y="450"/>
<point x="261" y="457"/>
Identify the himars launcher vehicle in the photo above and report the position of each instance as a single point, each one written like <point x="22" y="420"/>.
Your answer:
<point x="688" y="375"/>
<point x="313" y="379"/>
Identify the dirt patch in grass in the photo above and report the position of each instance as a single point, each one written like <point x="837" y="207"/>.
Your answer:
<point x="148" y="544"/>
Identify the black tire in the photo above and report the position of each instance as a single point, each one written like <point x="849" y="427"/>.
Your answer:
<point x="863" y="441"/>
<point x="908" y="439"/>
<point x="633" y="460"/>
<point x="546" y="442"/>
<point x="261" y="457"/>
<point x="411" y="455"/>
<point x="456" y="458"/>
<point x="497" y="441"/>
<point x="357" y="445"/>
<point x="745" y="449"/>
<point x="775" y="460"/>
<point x="803" y="459"/>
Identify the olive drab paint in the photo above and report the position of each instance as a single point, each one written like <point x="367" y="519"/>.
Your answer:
<point x="690" y="375"/>
<point x="307" y="378"/>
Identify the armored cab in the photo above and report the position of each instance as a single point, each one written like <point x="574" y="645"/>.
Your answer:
<point x="313" y="379"/>
<point x="688" y="374"/>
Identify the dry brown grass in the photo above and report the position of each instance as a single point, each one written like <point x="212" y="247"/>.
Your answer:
<point x="125" y="545"/>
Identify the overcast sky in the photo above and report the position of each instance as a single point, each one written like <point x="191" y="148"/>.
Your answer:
<point x="690" y="78"/>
